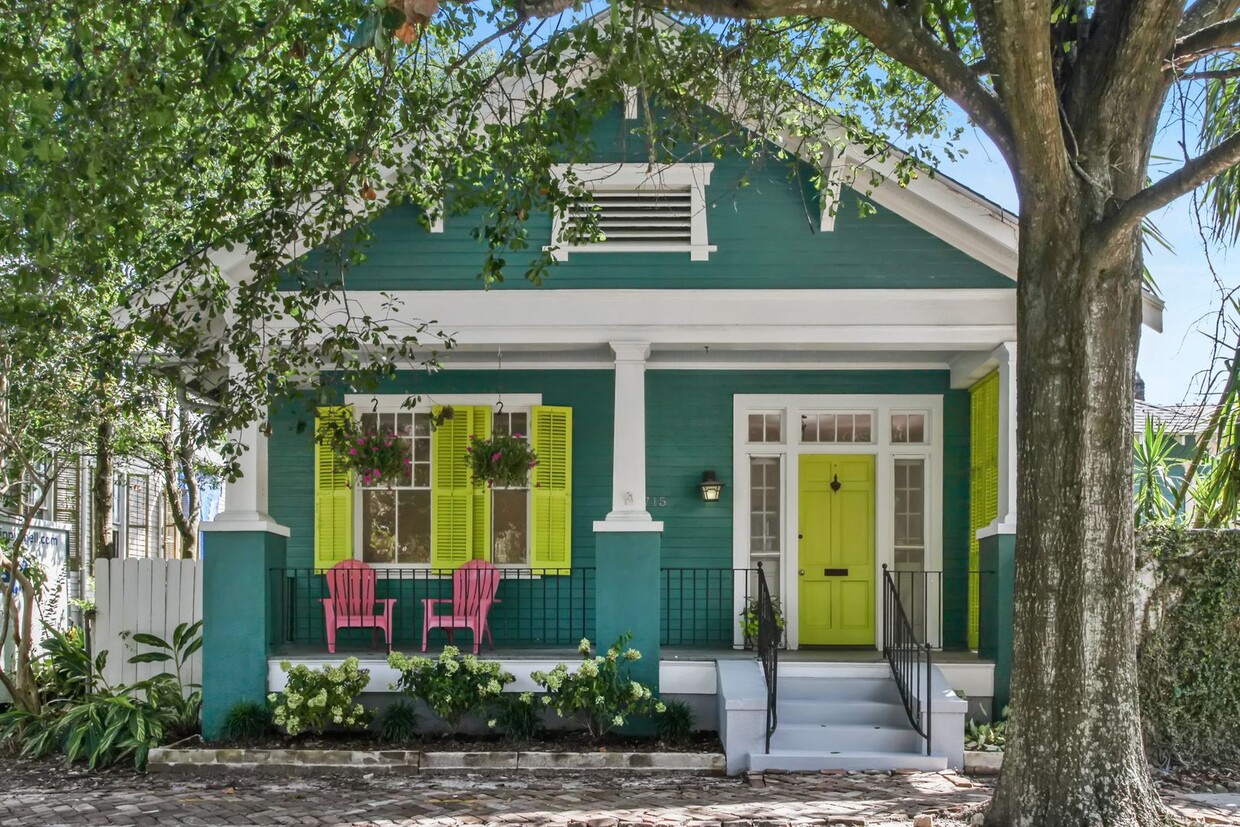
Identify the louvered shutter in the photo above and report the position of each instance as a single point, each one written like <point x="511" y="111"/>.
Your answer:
<point x="66" y="509"/>
<point x="639" y="216"/>
<point x="551" y="436"/>
<point x="333" y="497"/>
<point x="480" y="420"/>
<point x="452" y="495"/>
<point x="983" y="483"/>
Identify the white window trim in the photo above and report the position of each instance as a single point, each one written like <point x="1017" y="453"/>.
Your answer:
<point x="640" y="176"/>
<point x="885" y="454"/>
<point x="364" y="403"/>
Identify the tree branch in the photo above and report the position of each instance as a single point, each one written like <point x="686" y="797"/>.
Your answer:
<point x="886" y="27"/>
<point x="1204" y="41"/>
<point x="1204" y="12"/>
<point x="1187" y="178"/>
<point x="1216" y="74"/>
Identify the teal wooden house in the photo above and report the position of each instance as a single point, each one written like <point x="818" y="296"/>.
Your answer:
<point x="847" y="380"/>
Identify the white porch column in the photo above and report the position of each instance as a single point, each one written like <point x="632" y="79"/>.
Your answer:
<point x="245" y="498"/>
<point x="1005" y="522"/>
<point x="628" y="476"/>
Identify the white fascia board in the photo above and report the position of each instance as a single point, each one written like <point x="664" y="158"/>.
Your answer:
<point x="1152" y="311"/>
<point x="929" y="319"/>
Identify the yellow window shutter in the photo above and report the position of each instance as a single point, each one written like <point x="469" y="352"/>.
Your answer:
<point x="333" y="497"/>
<point x="452" y="495"/>
<point x="983" y="482"/>
<point x="551" y="489"/>
<point x="480" y="418"/>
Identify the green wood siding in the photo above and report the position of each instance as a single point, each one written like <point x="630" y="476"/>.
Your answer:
<point x="763" y="220"/>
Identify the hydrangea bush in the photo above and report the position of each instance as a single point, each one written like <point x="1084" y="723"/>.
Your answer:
<point x="599" y="692"/>
<point x="313" y="699"/>
<point x="452" y="685"/>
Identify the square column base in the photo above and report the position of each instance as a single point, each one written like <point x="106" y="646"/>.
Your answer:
<point x="627" y="597"/>
<point x="996" y="594"/>
<point x="238" y="619"/>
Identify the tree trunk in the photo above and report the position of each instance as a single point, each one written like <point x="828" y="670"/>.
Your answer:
<point x="1075" y="754"/>
<point x="180" y="476"/>
<point x="101" y="491"/>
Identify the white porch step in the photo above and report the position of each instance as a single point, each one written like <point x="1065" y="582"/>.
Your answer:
<point x="817" y="711"/>
<point x="860" y="737"/>
<point x="827" y="690"/>
<point x="810" y="760"/>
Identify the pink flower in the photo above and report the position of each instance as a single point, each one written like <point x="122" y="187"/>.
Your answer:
<point x="517" y="436"/>
<point x="408" y="462"/>
<point x="495" y="457"/>
<point x="532" y="463"/>
<point x="361" y="440"/>
<point x="387" y="442"/>
<point x="352" y="452"/>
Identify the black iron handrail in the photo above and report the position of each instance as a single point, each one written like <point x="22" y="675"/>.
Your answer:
<point x="769" y="634"/>
<point x="908" y="658"/>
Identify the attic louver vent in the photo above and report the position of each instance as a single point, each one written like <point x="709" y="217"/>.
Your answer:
<point x="626" y="217"/>
<point x="637" y="210"/>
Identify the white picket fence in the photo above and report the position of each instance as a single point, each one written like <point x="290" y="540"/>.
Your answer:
<point x="151" y="596"/>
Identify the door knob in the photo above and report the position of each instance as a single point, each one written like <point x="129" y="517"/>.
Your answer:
<point x="801" y="572"/>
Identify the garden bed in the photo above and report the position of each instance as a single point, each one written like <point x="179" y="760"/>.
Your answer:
<point x="554" y="741"/>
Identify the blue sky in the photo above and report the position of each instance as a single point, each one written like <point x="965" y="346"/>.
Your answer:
<point x="1170" y="362"/>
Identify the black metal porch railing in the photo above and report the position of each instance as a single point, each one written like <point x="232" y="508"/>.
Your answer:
<point x="534" y="608"/>
<point x="702" y="606"/>
<point x="770" y="634"/>
<point x="908" y="657"/>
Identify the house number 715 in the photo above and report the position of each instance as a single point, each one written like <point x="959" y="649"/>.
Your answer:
<point x="656" y="502"/>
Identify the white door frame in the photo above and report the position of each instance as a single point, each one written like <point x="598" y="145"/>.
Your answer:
<point x="790" y="449"/>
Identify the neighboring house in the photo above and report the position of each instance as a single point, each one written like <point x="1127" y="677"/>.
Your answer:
<point x="850" y="381"/>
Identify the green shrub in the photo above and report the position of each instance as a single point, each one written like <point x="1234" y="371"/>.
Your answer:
<point x="675" y="725"/>
<point x="1189" y="654"/>
<point x="397" y="722"/>
<point x="314" y="699"/>
<point x="598" y="693"/>
<point x="247" y="721"/>
<point x="518" y="717"/>
<point x="452" y="686"/>
<point x="65" y="670"/>
<point x="990" y="737"/>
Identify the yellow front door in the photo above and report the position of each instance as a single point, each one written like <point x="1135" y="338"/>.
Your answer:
<point x="836" y="558"/>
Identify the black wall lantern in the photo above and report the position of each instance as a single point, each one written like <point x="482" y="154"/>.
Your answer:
<point x="712" y="489"/>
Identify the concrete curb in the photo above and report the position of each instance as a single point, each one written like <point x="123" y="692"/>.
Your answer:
<point x="978" y="762"/>
<point x="300" y="762"/>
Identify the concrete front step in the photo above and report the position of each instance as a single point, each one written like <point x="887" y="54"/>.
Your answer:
<point x="846" y="738"/>
<point x="805" y="711"/>
<point x="830" y="690"/>
<point x="811" y="760"/>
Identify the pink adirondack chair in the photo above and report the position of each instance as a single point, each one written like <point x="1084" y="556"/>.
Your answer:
<point x="474" y="586"/>
<point x="351" y="584"/>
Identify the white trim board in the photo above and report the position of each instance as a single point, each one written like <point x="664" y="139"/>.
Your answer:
<point x="885" y="453"/>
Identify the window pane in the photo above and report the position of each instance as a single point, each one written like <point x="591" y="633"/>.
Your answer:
<point x="827" y="428"/>
<point x="764" y="505"/>
<point x="844" y="428"/>
<point x="809" y="429"/>
<point x="770" y="570"/>
<point x="909" y="526"/>
<point x="422" y="475"/>
<point x="899" y="428"/>
<point x="422" y="425"/>
<point x="404" y="424"/>
<point x="520" y="424"/>
<point x="378" y="525"/>
<point x="370" y="422"/>
<point x="917" y="428"/>
<point x="413" y="526"/>
<point x="756" y="427"/>
<point x="510" y="526"/>
<point x="862" y="428"/>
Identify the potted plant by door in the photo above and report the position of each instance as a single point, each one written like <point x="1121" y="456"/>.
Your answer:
<point x="749" y="621"/>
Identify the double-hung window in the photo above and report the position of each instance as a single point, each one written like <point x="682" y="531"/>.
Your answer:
<point x="436" y="516"/>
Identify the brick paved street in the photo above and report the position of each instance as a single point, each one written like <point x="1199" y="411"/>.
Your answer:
<point x="124" y="798"/>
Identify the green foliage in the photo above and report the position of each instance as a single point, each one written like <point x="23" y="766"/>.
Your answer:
<point x="991" y="737"/>
<point x="1189" y="655"/>
<point x="749" y="618"/>
<point x="518" y="717"/>
<point x="676" y="724"/>
<point x="182" y="706"/>
<point x="452" y="685"/>
<point x="504" y="460"/>
<point x="65" y="671"/>
<point x="372" y="457"/>
<point x="247" y="721"/>
<point x="314" y="699"/>
<point x="599" y="692"/>
<point x="1155" y="475"/>
<point x="397" y="723"/>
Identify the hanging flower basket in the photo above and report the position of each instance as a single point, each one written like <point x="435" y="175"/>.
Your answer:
<point x="372" y="457"/>
<point x="502" y="461"/>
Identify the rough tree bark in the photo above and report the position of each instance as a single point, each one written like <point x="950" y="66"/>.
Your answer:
<point x="102" y="491"/>
<point x="180" y="477"/>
